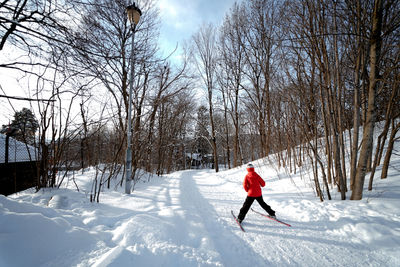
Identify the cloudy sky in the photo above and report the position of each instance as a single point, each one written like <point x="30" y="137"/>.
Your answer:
<point x="181" y="18"/>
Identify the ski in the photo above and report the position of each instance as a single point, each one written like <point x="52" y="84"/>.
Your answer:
<point x="269" y="217"/>
<point x="241" y="227"/>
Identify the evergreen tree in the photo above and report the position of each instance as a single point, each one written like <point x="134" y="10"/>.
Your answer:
<point x="26" y="125"/>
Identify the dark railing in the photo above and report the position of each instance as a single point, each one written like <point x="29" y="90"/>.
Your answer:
<point x="18" y="165"/>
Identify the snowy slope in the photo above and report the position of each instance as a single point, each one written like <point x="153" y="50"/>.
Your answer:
<point x="183" y="219"/>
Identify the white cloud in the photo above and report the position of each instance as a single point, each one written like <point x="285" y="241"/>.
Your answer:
<point x="180" y="19"/>
<point x="168" y="8"/>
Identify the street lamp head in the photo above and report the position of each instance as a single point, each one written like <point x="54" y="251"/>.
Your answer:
<point x="134" y="13"/>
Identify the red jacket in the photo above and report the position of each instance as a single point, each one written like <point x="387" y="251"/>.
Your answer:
<point x="252" y="183"/>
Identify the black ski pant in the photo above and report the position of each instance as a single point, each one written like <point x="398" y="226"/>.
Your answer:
<point x="247" y="204"/>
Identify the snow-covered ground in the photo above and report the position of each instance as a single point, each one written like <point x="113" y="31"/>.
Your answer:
<point x="183" y="219"/>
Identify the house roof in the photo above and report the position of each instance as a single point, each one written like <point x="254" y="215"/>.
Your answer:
<point x="17" y="151"/>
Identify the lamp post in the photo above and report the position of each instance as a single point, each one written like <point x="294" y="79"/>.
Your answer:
<point x="134" y="14"/>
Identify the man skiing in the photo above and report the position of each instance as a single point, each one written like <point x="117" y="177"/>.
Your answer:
<point x="252" y="185"/>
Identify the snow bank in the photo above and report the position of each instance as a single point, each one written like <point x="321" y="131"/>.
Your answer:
<point x="34" y="236"/>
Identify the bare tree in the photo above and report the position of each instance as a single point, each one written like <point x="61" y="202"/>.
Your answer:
<point x="261" y="34"/>
<point x="358" y="67"/>
<point x="27" y="23"/>
<point x="168" y="82"/>
<point x="105" y="34"/>
<point x="204" y="45"/>
<point x="231" y="50"/>
<point x="367" y="142"/>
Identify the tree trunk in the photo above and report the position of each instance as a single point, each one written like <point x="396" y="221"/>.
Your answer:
<point x="395" y="129"/>
<point x="382" y="138"/>
<point x="213" y="140"/>
<point x="367" y="140"/>
<point x="228" y="152"/>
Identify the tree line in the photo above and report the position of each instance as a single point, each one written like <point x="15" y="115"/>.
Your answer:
<point x="297" y="80"/>
<point x="298" y="76"/>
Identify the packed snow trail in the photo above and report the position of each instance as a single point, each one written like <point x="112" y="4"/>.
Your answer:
<point x="184" y="219"/>
<point x="187" y="222"/>
<point x="178" y="228"/>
